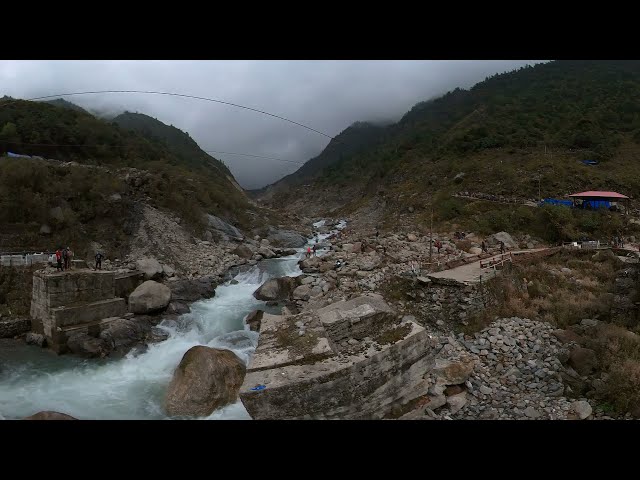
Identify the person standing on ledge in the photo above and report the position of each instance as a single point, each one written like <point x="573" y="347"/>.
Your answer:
<point x="98" y="261"/>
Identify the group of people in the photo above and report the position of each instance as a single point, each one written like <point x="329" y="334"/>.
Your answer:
<point x="63" y="259"/>
<point x="617" y="241"/>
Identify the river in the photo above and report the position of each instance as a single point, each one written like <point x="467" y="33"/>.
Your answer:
<point x="33" y="379"/>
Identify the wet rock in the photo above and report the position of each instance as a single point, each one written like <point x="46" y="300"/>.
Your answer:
<point x="90" y="347"/>
<point x="178" y="308"/>
<point x="125" y="333"/>
<point x="50" y="415"/>
<point x="191" y="290"/>
<point x="276" y="289"/>
<point x="35" y="339"/>
<point x="254" y="320"/>
<point x="206" y="379"/>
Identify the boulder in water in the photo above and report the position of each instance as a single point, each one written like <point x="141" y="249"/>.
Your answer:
<point x="91" y="347"/>
<point x="206" y="379"/>
<point x="254" y="320"/>
<point x="50" y="415"/>
<point x="149" y="297"/>
<point x="243" y="251"/>
<point x="276" y="289"/>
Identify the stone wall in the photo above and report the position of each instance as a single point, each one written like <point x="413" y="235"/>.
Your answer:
<point x="63" y="299"/>
<point x="14" y="326"/>
<point x="452" y="302"/>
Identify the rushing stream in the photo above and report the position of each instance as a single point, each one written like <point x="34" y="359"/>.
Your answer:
<point x="133" y="387"/>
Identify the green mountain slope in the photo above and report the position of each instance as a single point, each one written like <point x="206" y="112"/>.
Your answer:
<point x="501" y="135"/>
<point x="172" y="174"/>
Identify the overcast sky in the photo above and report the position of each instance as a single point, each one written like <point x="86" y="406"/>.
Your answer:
<point x="325" y="95"/>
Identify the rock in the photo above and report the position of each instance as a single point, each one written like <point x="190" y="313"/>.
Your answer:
<point x="168" y="271"/>
<point x="583" y="360"/>
<point x="223" y="227"/>
<point x="150" y="267"/>
<point x="410" y="209"/>
<point x="456" y="402"/>
<point x="178" y="308"/>
<point x="458" y="178"/>
<point x="124" y="333"/>
<point x="453" y="390"/>
<point x="368" y="262"/>
<point x="276" y="289"/>
<point x="206" y="379"/>
<point x="266" y="253"/>
<point x="190" y="290"/>
<point x="436" y="401"/>
<point x="150" y="297"/>
<point x="412" y="238"/>
<point x="254" y="320"/>
<point x="14" y="326"/>
<point x="588" y="322"/>
<point x="116" y="197"/>
<point x="286" y="238"/>
<point x="243" y="251"/>
<point x="531" y="412"/>
<point x="486" y="390"/>
<point x="91" y="347"/>
<point x="581" y="409"/>
<point x="208" y="236"/>
<point x="45" y="229"/>
<point x="35" y="339"/>
<point x="50" y="415"/>
<point x="565" y="270"/>
<point x="496" y="238"/>
<point x="356" y="247"/>
<point x="475" y="250"/>
<point x="303" y="292"/>
<point x="453" y="372"/>
<point x="309" y="265"/>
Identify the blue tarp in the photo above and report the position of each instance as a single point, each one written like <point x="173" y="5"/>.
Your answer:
<point x="590" y="162"/>
<point x="595" y="204"/>
<point x="11" y="154"/>
<point x="555" y="201"/>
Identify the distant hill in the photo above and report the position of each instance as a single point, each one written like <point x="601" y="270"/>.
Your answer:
<point x="60" y="102"/>
<point x="350" y="141"/>
<point x="178" y="142"/>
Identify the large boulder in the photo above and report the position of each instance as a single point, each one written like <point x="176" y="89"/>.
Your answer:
<point x="206" y="379"/>
<point x="453" y="372"/>
<point x="286" y="238"/>
<point x="303" y="292"/>
<point x="368" y="262"/>
<point x="276" y="289"/>
<point x="150" y="267"/>
<point x="82" y="344"/>
<point x="496" y="238"/>
<point x="223" y="227"/>
<point x="266" y="252"/>
<point x="583" y="360"/>
<point x="310" y="265"/>
<point x="124" y="333"/>
<point x="243" y="251"/>
<point x="149" y="297"/>
<point x="191" y="290"/>
<point x="49" y="415"/>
